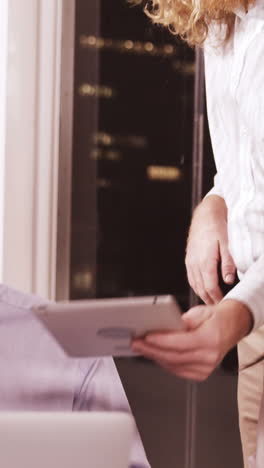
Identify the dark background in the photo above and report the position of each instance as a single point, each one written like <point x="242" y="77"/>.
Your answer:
<point x="141" y="224"/>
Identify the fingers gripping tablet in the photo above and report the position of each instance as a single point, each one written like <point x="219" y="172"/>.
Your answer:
<point x="105" y="327"/>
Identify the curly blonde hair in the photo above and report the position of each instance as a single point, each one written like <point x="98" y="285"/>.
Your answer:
<point x="190" y="19"/>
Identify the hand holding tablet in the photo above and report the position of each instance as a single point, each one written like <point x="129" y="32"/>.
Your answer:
<point x="105" y="327"/>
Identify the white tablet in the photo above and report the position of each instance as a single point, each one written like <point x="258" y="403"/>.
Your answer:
<point x="105" y="327"/>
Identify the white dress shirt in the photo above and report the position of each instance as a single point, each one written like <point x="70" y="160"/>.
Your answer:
<point x="235" y="103"/>
<point x="36" y="374"/>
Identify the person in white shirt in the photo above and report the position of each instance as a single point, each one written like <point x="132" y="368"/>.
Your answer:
<point x="36" y="374"/>
<point x="228" y="225"/>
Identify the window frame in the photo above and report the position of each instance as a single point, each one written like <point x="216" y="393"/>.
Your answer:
<point x="32" y="145"/>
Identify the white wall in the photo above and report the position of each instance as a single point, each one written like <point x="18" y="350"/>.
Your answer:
<point x="32" y="134"/>
<point x="3" y="64"/>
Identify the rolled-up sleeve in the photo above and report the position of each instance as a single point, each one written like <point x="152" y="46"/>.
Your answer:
<point x="216" y="189"/>
<point x="250" y="291"/>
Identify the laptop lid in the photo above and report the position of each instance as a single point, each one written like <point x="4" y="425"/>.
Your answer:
<point x="65" y="440"/>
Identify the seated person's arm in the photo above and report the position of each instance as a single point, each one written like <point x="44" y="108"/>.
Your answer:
<point x="102" y="390"/>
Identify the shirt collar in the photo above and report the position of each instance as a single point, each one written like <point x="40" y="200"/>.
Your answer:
<point x="240" y="12"/>
<point x="254" y="8"/>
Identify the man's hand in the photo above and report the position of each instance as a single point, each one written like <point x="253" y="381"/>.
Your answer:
<point x="211" y="331"/>
<point x="207" y="246"/>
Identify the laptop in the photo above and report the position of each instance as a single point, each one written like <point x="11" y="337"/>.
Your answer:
<point x="65" y="440"/>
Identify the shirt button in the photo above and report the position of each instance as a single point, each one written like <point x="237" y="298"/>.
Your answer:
<point x="243" y="130"/>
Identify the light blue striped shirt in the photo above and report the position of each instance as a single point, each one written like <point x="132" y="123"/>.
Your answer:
<point x="35" y="373"/>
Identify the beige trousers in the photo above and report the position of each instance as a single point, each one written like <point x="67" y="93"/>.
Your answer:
<point x="250" y="390"/>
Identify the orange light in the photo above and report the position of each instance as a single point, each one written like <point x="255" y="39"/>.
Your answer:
<point x="83" y="280"/>
<point x="87" y="89"/>
<point x="164" y="173"/>
<point x="128" y="45"/>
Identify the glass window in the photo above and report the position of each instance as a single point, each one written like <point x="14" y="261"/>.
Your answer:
<point x="132" y="155"/>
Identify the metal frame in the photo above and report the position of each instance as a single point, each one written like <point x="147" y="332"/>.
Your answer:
<point x="197" y="186"/>
<point x="63" y="269"/>
<point x="65" y="151"/>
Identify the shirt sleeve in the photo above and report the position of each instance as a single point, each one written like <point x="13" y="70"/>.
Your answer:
<point x="250" y="82"/>
<point x="102" y="390"/>
<point x="250" y="291"/>
<point x="216" y="189"/>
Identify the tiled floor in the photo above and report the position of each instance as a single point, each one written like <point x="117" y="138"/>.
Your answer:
<point x="159" y="402"/>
